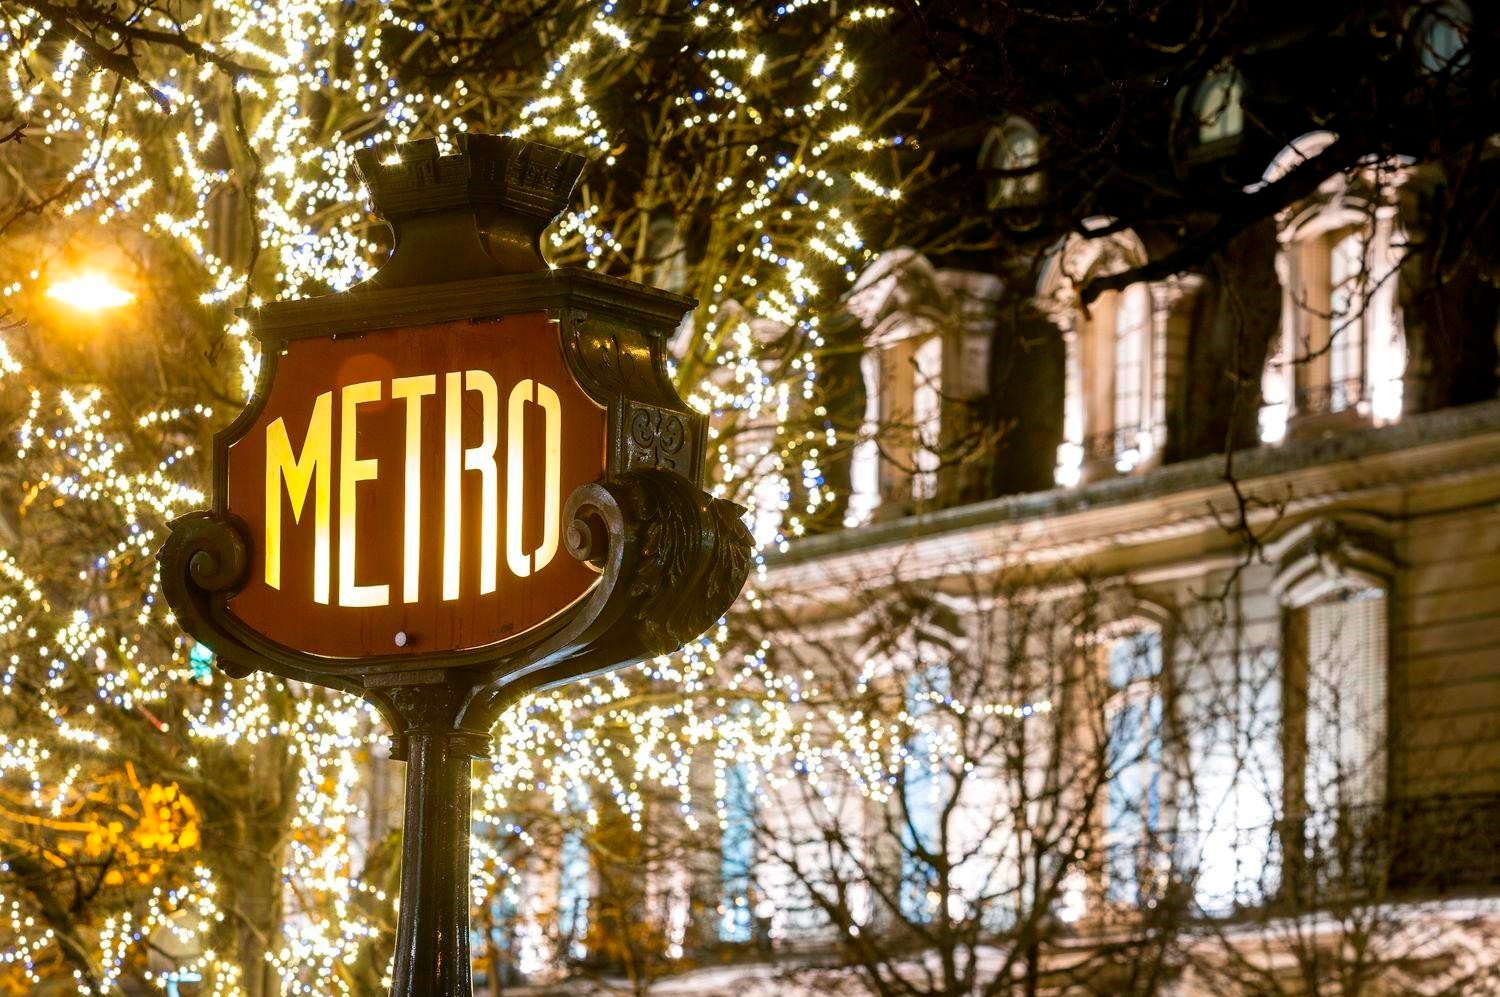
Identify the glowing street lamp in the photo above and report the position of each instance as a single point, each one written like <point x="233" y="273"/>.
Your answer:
<point x="90" y="292"/>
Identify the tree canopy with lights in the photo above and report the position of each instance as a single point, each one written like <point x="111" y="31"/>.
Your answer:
<point x="167" y="164"/>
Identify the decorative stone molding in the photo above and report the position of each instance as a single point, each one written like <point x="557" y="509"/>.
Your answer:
<point x="1328" y="555"/>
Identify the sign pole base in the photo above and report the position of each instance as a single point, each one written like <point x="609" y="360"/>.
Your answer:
<point x="432" y="935"/>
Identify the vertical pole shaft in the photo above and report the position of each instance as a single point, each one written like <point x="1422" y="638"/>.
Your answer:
<point x="432" y="938"/>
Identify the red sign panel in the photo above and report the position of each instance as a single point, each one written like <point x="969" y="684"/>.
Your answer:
<point x="403" y="490"/>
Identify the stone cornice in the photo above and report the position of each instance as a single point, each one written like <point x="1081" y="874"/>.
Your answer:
<point x="1179" y="500"/>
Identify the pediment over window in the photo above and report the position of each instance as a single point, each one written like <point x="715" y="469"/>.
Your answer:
<point x="1326" y="556"/>
<point x="900" y="297"/>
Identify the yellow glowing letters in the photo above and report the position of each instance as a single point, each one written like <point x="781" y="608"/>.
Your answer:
<point x="311" y="469"/>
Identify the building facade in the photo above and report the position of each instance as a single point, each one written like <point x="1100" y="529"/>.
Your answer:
<point x="1267" y="490"/>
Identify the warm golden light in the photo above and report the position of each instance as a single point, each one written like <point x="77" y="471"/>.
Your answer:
<point x="90" y="292"/>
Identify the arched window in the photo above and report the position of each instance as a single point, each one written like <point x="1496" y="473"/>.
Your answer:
<point x="1441" y="35"/>
<point x="927" y="334"/>
<point x="1217" y="107"/>
<point x="1012" y="146"/>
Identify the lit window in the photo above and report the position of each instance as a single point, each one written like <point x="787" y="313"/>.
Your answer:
<point x="1344" y="730"/>
<point x="1346" y="664"/>
<point x="1133" y="804"/>
<point x="864" y="464"/>
<point x="1346" y="348"/>
<point x="921" y="793"/>
<point x="1342" y="348"/>
<point x="926" y="416"/>
<point x="1218" y="109"/>
<point x="1132" y="335"/>
<point x="1013" y="146"/>
<point x="737" y="855"/>
<point x="1442" y="38"/>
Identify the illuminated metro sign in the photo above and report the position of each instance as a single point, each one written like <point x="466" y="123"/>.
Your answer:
<point x="471" y="472"/>
<point x="469" y="478"/>
<point x="403" y="490"/>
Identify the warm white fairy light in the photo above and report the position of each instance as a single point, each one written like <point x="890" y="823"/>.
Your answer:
<point x="153" y="155"/>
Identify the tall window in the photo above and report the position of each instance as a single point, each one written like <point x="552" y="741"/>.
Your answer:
<point x="1217" y="107"/>
<point x="1347" y="281"/>
<point x="1342" y="347"/>
<point x="1338" y="842"/>
<point x="1345" y="638"/>
<point x="737" y="855"/>
<point x="575" y="889"/>
<point x="1134" y="800"/>
<point x="1132" y="340"/>
<point x="864" y="464"/>
<point x="922" y="789"/>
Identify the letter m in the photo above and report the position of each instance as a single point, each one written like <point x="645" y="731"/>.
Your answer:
<point x="298" y="473"/>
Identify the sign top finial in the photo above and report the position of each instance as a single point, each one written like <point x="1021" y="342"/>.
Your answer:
<point x="477" y="212"/>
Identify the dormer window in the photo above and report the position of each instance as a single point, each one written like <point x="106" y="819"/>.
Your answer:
<point x="1011" y="147"/>
<point x="1217" y="107"/>
<point x="1342" y="350"/>
<point x="1441" y="35"/>
<point x="1115" y="359"/>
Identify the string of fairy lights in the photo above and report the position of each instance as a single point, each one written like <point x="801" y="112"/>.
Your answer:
<point x="147" y="155"/>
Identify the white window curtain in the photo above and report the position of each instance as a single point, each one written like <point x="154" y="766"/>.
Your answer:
<point x="1132" y="338"/>
<point x="1346" y="701"/>
<point x="1232" y="800"/>
<point x="1348" y="279"/>
<point x="864" y="470"/>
